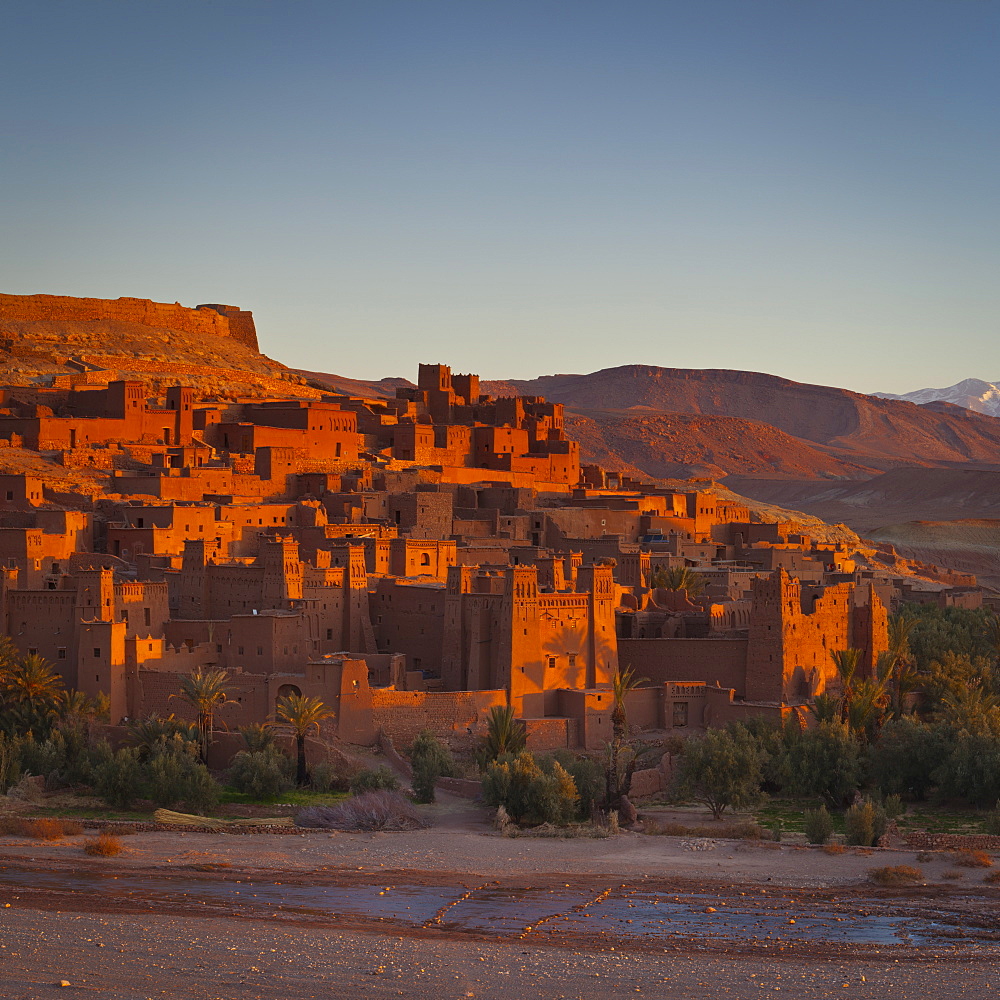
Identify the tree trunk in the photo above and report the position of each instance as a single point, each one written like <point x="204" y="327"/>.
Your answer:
<point x="301" y="773"/>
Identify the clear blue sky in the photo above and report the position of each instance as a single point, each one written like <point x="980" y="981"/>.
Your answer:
<point x="805" y="188"/>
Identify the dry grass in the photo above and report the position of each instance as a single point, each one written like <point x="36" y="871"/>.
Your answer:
<point x="737" y="830"/>
<point x="973" y="859"/>
<point x="834" y="849"/>
<point x="925" y="856"/>
<point x="378" y="810"/>
<point x="104" y="845"/>
<point x="952" y="873"/>
<point x="992" y="877"/>
<point x="39" y="829"/>
<point x="895" y="875"/>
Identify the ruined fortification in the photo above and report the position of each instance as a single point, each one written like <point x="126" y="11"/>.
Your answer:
<point x="213" y="320"/>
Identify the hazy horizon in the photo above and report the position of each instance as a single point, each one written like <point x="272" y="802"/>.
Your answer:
<point x="518" y="188"/>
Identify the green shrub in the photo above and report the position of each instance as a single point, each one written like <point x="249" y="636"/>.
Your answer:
<point x="893" y="807"/>
<point x="824" y="761"/>
<point x="373" y="780"/>
<point x="425" y="776"/>
<point x="588" y="777"/>
<point x="181" y="778"/>
<point x="324" y="777"/>
<point x="721" y="769"/>
<point x="10" y="762"/>
<point x="818" y="825"/>
<point x="431" y="760"/>
<point x="864" y="823"/>
<point x="262" y="774"/>
<point x="119" y="778"/>
<point x="991" y="824"/>
<point x="527" y="792"/>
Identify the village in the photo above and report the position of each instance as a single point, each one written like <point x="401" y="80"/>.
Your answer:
<point x="412" y="563"/>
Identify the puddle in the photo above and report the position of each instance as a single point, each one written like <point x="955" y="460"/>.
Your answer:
<point x="510" y="910"/>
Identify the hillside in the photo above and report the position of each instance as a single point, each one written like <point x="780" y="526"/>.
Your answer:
<point x="126" y="338"/>
<point x="865" y="432"/>
<point x="682" y="445"/>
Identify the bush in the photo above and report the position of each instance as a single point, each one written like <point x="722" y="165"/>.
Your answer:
<point x="262" y="774"/>
<point x="991" y="824"/>
<point x="818" y="825"/>
<point x="431" y="760"/>
<point x="971" y="768"/>
<point x="39" y="829"/>
<point x="588" y="777"/>
<point x="529" y="793"/>
<point x="180" y="778"/>
<point x="905" y="756"/>
<point x="824" y="761"/>
<point x="973" y="859"/>
<point x="892" y="806"/>
<point x="376" y="810"/>
<point x="104" y="845"/>
<point x="10" y="762"/>
<point x="895" y="875"/>
<point x="864" y="823"/>
<point x="324" y="777"/>
<point x="119" y="779"/>
<point x="374" y="780"/>
<point x="721" y="769"/>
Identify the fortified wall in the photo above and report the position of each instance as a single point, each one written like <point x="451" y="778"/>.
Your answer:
<point x="214" y="320"/>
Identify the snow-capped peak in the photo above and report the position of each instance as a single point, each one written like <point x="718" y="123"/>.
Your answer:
<point x="972" y="393"/>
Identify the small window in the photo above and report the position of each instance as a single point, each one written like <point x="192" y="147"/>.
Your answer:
<point x="552" y="662"/>
<point x="32" y="651"/>
<point x="61" y="653"/>
<point x="97" y="651"/>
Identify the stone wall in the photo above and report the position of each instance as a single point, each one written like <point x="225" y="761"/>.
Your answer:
<point x="402" y="714"/>
<point x="920" y="840"/>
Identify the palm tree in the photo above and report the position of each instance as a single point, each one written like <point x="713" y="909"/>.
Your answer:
<point x="846" y="661"/>
<point x="826" y="708"/>
<point x="30" y="691"/>
<point x="618" y="781"/>
<point x="206" y="692"/>
<point x="971" y="707"/>
<point x="152" y="732"/>
<point x="257" y="736"/>
<point x="677" y="578"/>
<point x="504" y="734"/>
<point x="301" y="714"/>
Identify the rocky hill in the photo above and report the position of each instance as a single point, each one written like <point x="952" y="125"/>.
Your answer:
<point x="864" y="432"/>
<point x="213" y="348"/>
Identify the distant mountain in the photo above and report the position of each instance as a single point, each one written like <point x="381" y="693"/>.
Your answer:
<point x="972" y="393"/>
<point x="848" y="435"/>
<point x="381" y="389"/>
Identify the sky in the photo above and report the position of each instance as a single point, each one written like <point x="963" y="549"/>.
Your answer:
<point x="805" y="188"/>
